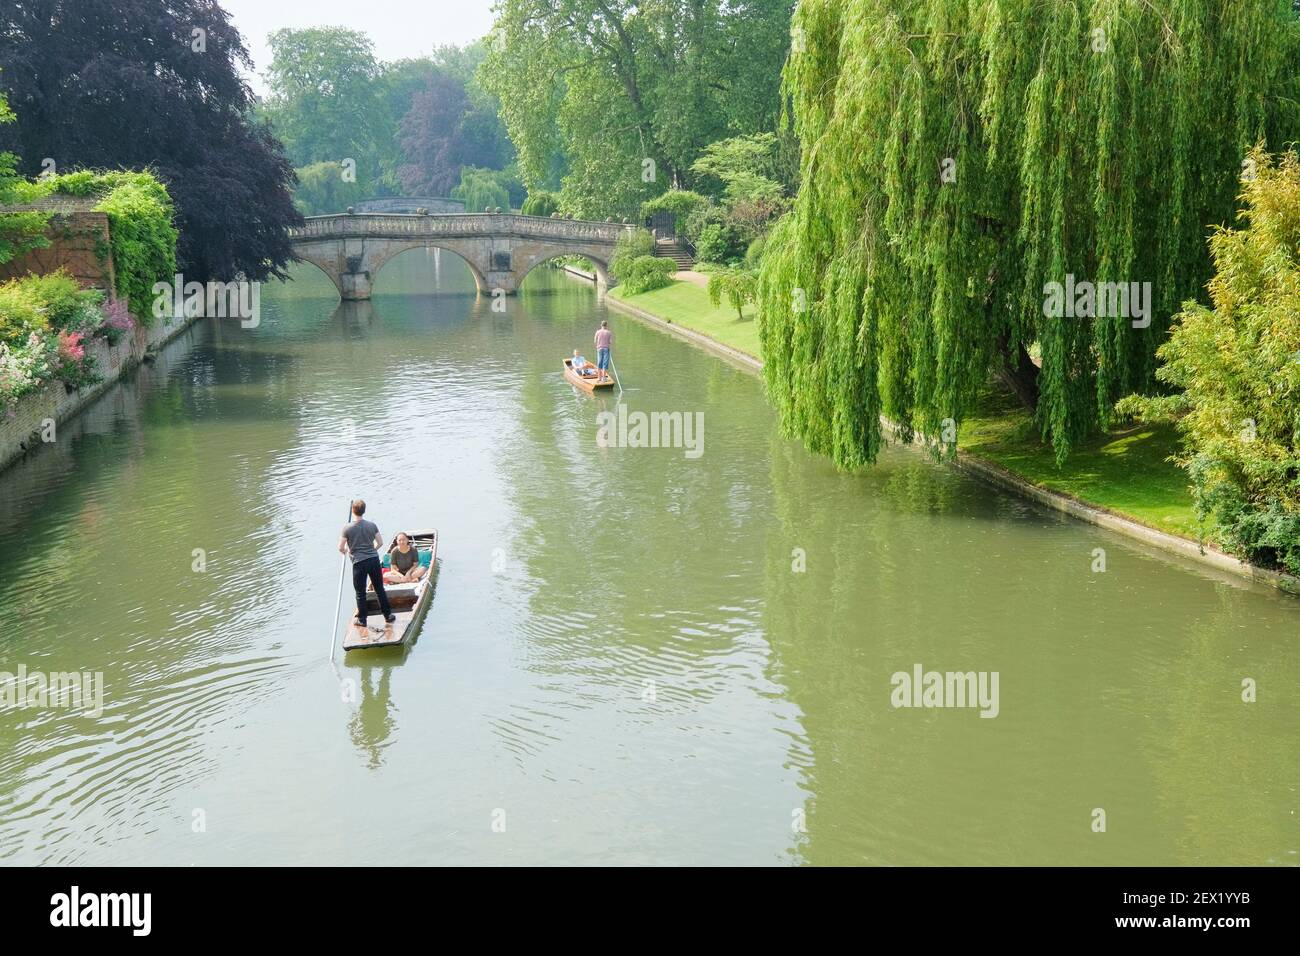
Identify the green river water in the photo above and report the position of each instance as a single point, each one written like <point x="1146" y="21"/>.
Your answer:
<point x="623" y="661"/>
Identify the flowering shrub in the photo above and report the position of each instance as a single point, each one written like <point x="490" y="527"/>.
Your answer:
<point x="45" y="323"/>
<point x="24" y="367"/>
<point x="117" y="321"/>
<point x="74" y="367"/>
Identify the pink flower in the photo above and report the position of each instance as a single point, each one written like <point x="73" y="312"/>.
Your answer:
<point x="117" y="315"/>
<point x="70" y="347"/>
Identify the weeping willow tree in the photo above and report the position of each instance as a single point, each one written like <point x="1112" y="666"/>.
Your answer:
<point x="958" y="156"/>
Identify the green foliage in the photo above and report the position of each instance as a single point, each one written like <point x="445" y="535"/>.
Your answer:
<point x="1239" y="362"/>
<point x="591" y="90"/>
<point x="141" y="230"/>
<point x="680" y="202"/>
<point x="19" y="231"/>
<point x="322" y="190"/>
<point x="483" y="190"/>
<point x="540" y="203"/>
<point x="717" y="242"/>
<point x="44" y="323"/>
<point x="959" y="154"/>
<point x="632" y="244"/>
<point x="1151" y="409"/>
<point x="645" y="273"/>
<point x="21" y="312"/>
<point x="323" y="96"/>
<point x="61" y="298"/>
<point x="745" y="165"/>
<point x="737" y="286"/>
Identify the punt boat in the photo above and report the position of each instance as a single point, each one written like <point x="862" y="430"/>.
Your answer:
<point x="409" y="602"/>
<point x="587" y="383"/>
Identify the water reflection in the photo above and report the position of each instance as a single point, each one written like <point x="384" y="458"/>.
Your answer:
<point x="637" y="656"/>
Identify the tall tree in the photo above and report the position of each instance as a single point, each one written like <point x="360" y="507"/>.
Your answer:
<point x="137" y="83"/>
<point x="324" y="95"/>
<point x="629" y="94"/>
<point x="445" y="130"/>
<point x="959" y="157"/>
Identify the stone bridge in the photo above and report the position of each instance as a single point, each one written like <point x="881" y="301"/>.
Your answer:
<point x="499" y="248"/>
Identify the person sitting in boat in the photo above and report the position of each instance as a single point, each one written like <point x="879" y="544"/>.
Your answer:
<point x="404" y="562"/>
<point x="579" y="364"/>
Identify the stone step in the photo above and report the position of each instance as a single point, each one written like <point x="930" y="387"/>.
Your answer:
<point x="674" y="250"/>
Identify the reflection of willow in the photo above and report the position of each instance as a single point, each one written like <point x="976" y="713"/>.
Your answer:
<point x="1226" y="770"/>
<point x="374" y="718"/>
<point x="817" y="634"/>
<point x="870" y="601"/>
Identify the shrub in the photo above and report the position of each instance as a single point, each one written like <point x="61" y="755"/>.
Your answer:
<point x="714" y="243"/>
<point x="648" y="272"/>
<point x="73" y="366"/>
<point x="25" y="366"/>
<point x="62" y="298"/>
<point x="700" y="219"/>
<point x="632" y="244"/>
<point x="21" y="312"/>
<point x="19" y="231"/>
<point x="44" y="324"/>
<point x="117" y="322"/>
<point x="143" y="237"/>
<point x="1239" y="364"/>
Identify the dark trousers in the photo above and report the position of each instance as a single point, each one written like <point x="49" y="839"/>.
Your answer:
<point x="372" y="569"/>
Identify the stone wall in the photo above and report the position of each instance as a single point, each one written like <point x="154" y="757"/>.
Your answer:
<point x="78" y="243"/>
<point x="21" y="427"/>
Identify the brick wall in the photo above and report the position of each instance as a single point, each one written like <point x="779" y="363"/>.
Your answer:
<point x="78" y="243"/>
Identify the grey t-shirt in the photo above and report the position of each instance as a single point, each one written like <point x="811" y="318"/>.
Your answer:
<point x="360" y="536"/>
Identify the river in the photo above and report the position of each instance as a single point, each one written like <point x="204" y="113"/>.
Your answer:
<point x="633" y="655"/>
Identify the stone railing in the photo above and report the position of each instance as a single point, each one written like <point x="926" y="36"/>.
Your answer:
<point x="397" y="226"/>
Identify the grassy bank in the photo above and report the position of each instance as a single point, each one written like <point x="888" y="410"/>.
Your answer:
<point x="687" y="304"/>
<point x="1126" y="471"/>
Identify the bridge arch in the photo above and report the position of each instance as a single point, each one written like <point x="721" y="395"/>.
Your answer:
<point x="598" y="264"/>
<point x="392" y="251"/>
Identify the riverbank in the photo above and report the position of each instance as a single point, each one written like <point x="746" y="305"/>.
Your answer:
<point x="27" y="425"/>
<point x="1122" y="481"/>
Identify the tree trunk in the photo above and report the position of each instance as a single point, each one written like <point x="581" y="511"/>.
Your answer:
<point x="1018" y="372"/>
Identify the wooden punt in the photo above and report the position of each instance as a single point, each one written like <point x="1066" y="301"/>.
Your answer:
<point x="409" y="603"/>
<point x="586" y="383"/>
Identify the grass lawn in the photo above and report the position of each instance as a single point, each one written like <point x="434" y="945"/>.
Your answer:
<point x="687" y="304"/>
<point x="1125" y="470"/>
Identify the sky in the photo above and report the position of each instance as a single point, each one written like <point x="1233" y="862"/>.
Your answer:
<point x="399" y="28"/>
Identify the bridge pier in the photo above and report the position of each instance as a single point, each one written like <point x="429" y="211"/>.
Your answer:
<point x="354" y="286"/>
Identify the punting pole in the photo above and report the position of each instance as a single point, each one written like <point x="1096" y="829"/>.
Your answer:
<point x="338" y="602"/>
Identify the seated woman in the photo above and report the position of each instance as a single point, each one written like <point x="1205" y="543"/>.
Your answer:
<point x="404" y="561"/>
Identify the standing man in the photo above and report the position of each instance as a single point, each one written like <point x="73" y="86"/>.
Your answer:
<point x="361" y="541"/>
<point x="604" y="339"/>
